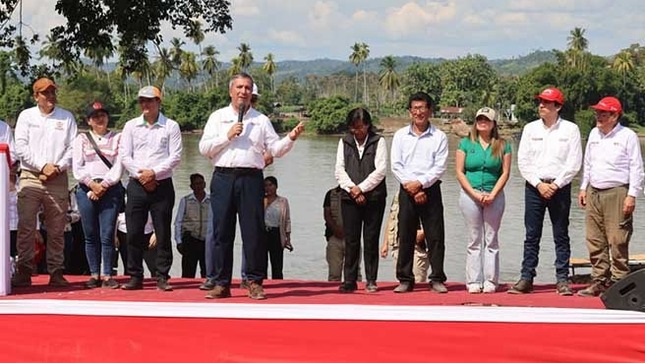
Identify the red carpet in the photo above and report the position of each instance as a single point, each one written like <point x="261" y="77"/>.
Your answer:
<point x="304" y="321"/>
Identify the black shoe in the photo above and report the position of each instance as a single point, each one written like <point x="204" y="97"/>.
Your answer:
<point x="110" y="284"/>
<point x="163" y="285"/>
<point x="207" y="285"/>
<point x="371" y="286"/>
<point x="135" y="283"/>
<point x="93" y="283"/>
<point x="404" y="287"/>
<point x="347" y="287"/>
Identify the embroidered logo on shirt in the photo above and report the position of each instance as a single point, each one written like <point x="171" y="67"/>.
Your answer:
<point x="59" y="125"/>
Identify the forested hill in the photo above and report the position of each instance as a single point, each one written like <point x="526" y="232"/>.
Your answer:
<point x="324" y="67"/>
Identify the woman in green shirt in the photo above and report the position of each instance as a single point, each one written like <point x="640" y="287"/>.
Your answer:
<point x="483" y="163"/>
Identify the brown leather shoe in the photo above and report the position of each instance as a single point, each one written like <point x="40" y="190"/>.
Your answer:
<point x="595" y="289"/>
<point x="56" y="279"/>
<point x="21" y="279"/>
<point x="521" y="287"/>
<point x="219" y="292"/>
<point x="563" y="289"/>
<point x="256" y="291"/>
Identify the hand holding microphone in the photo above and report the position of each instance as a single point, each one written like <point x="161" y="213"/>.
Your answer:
<point x="241" y="109"/>
<point x="238" y="127"/>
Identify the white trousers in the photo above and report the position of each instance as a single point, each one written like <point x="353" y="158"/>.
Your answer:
<point x="482" y="226"/>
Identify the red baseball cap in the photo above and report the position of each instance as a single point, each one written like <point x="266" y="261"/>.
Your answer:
<point x="610" y="104"/>
<point x="552" y="94"/>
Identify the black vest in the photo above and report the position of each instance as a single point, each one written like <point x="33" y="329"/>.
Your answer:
<point x="359" y="168"/>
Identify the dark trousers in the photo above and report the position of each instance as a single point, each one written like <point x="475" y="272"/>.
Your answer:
<point x="236" y="191"/>
<point x="367" y="219"/>
<point x="149" y="255"/>
<point x="193" y="253"/>
<point x="159" y="204"/>
<point x="276" y="252"/>
<point x="431" y="215"/>
<point x="534" y="209"/>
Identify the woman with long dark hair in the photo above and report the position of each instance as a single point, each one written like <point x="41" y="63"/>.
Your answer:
<point x="483" y="164"/>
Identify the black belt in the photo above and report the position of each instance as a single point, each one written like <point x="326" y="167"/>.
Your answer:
<point x="547" y="180"/>
<point x="610" y="188"/>
<point x="237" y="171"/>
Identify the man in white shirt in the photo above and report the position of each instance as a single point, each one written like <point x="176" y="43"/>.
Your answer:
<point x="234" y="139"/>
<point x="150" y="150"/>
<point x="612" y="178"/>
<point x="419" y="158"/>
<point x="44" y="136"/>
<point x="549" y="156"/>
<point x="191" y="224"/>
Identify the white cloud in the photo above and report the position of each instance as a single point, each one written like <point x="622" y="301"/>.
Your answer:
<point x="286" y="37"/>
<point x="412" y="18"/>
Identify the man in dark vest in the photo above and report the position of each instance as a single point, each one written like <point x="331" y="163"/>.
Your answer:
<point x="361" y="161"/>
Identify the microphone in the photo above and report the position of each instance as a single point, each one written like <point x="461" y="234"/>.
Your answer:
<point x="241" y="108"/>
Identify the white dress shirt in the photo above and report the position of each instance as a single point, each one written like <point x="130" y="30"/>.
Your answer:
<point x="87" y="165"/>
<point x="550" y="152"/>
<point x="157" y="146"/>
<point x="419" y="157"/>
<point x="246" y="149"/>
<point x="6" y="137"/>
<point x="613" y="160"/>
<point x="42" y="139"/>
<point x="374" y="178"/>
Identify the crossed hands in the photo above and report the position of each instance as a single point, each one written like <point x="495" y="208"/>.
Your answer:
<point x="547" y="190"/>
<point x="49" y="171"/>
<point x="148" y="180"/>
<point x="415" y="190"/>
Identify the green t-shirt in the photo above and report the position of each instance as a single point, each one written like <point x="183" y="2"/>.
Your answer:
<point x="482" y="169"/>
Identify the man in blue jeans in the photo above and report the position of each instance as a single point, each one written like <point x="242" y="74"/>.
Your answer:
<point x="549" y="156"/>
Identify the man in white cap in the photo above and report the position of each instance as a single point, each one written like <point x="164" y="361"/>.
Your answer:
<point x="612" y="179"/>
<point x="44" y="137"/>
<point x="549" y="156"/>
<point x="150" y="149"/>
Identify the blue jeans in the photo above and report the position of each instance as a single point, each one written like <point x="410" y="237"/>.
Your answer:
<point x="534" y="209"/>
<point x="99" y="219"/>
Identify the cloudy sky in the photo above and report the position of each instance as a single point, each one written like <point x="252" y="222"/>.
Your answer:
<point x="313" y="29"/>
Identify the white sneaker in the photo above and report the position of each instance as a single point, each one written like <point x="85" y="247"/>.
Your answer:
<point x="474" y="288"/>
<point x="489" y="287"/>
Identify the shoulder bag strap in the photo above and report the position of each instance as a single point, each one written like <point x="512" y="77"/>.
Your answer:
<point x="98" y="152"/>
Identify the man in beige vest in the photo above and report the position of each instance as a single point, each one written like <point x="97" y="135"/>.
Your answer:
<point x="191" y="223"/>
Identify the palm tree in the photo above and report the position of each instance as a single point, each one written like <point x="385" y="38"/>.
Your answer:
<point x="388" y="78"/>
<point x="51" y="49"/>
<point x="355" y="58"/>
<point x="624" y="63"/>
<point x="364" y="53"/>
<point x="176" y="51"/>
<point x="236" y="66"/>
<point x="577" y="46"/>
<point x="196" y="33"/>
<point x="162" y="66"/>
<point x="210" y="64"/>
<point x="270" y="67"/>
<point x="98" y="55"/>
<point x="189" y="68"/>
<point x="245" y="56"/>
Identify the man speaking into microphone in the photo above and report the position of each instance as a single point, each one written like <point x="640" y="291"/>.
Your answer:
<point x="234" y="138"/>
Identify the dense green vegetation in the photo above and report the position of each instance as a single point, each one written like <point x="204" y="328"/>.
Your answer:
<point x="195" y="83"/>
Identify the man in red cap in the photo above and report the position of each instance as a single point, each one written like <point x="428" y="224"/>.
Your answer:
<point x="611" y="180"/>
<point x="549" y="156"/>
<point x="44" y="136"/>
